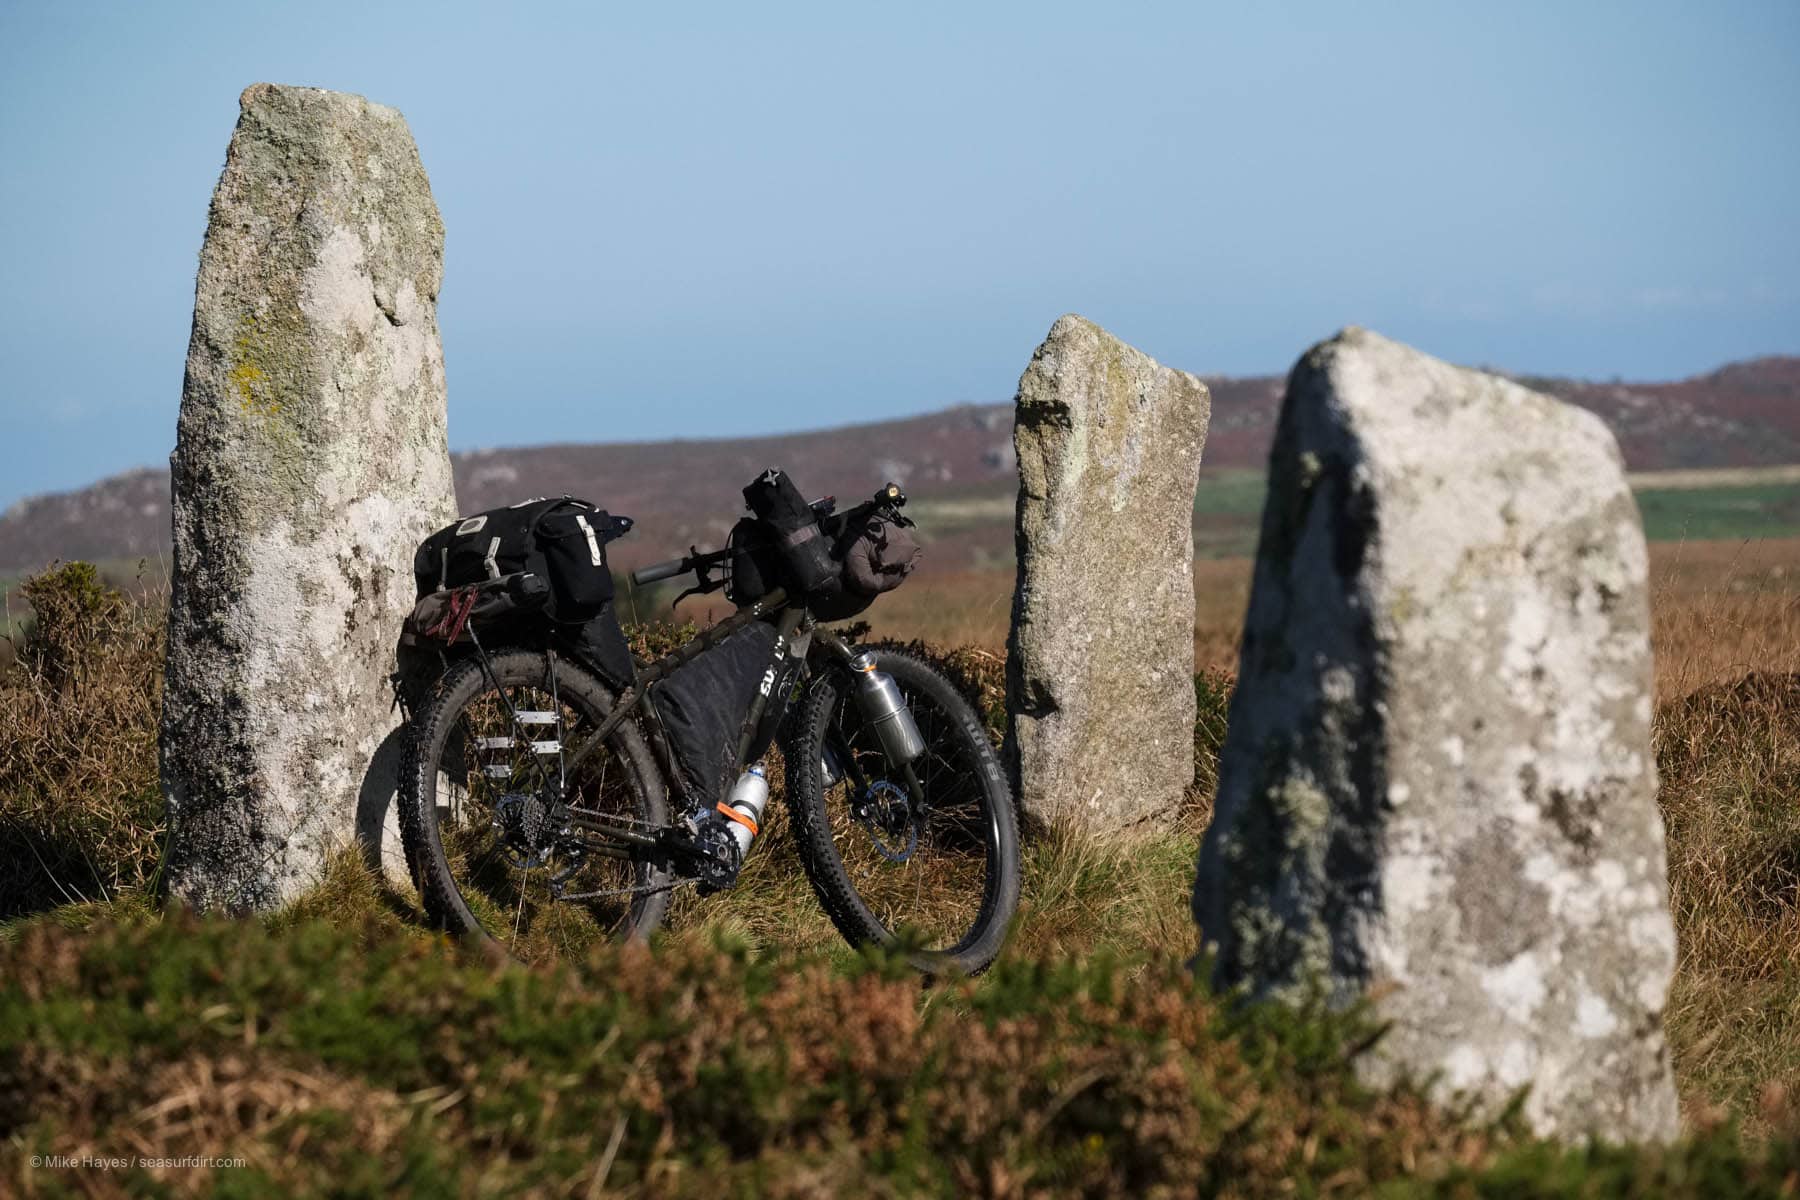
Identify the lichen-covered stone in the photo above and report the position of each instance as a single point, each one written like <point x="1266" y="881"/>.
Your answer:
<point x="1100" y="675"/>
<point x="310" y="459"/>
<point x="1438" y="790"/>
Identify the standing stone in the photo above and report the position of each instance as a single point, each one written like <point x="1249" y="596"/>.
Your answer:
<point x="1438" y="789"/>
<point x="1100" y="674"/>
<point x="310" y="459"/>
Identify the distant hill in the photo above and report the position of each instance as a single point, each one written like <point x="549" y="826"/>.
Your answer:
<point x="683" y="492"/>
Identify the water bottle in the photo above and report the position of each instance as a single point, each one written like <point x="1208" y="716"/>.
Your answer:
<point x="743" y="808"/>
<point x="884" y="708"/>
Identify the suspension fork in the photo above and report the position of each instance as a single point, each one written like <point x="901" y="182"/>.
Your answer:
<point x="915" y="789"/>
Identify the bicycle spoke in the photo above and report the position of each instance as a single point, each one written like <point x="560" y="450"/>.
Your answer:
<point x="938" y="888"/>
<point x="493" y="821"/>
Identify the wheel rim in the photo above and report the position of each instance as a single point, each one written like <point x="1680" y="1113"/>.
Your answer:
<point x="511" y="868"/>
<point x="938" y="894"/>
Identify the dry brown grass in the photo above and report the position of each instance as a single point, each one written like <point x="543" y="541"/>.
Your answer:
<point x="1726" y="631"/>
<point x="1721" y="610"/>
<point x="1729" y="755"/>
<point x="80" y="810"/>
<point x="974" y="608"/>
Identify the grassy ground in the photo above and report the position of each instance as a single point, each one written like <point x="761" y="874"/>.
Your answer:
<point x="340" y="1047"/>
<point x="1749" y="511"/>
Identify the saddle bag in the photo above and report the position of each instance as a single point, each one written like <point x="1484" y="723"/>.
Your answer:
<point x="562" y="541"/>
<point x="508" y="570"/>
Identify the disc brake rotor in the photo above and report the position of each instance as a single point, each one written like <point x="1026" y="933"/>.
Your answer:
<point x="886" y="812"/>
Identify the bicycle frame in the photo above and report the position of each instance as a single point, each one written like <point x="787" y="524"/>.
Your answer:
<point x="624" y="838"/>
<point x="619" y="838"/>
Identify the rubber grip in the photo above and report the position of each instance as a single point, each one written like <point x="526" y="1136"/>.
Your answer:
<point x="659" y="571"/>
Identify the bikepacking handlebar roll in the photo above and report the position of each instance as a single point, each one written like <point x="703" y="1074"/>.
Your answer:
<point x="795" y="528"/>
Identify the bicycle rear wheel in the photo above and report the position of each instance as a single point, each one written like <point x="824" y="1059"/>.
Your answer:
<point x="485" y="752"/>
<point x="943" y="881"/>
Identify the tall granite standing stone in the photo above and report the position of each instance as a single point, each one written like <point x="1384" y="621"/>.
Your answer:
<point x="1438" y="789"/>
<point x="1100" y="674"/>
<point x="311" y="457"/>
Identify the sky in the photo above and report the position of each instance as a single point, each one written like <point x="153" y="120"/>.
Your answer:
<point x="724" y="219"/>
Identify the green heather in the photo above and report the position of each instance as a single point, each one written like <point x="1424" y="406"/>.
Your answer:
<point x="352" y="1060"/>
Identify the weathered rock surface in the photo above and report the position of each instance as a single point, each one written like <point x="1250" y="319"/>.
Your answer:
<point x="310" y="459"/>
<point x="1438" y="788"/>
<point x="1100" y="690"/>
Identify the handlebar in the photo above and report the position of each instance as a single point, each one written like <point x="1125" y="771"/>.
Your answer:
<point x="890" y="497"/>
<point x="693" y="561"/>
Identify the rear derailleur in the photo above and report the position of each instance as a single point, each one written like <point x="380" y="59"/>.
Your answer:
<point x="534" y="834"/>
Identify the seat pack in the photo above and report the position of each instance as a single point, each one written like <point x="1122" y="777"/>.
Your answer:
<point x="561" y="541"/>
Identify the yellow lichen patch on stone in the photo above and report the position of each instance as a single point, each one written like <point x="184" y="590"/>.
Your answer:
<point x="249" y="381"/>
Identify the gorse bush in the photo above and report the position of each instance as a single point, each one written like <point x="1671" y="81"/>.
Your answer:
<point x="80" y="810"/>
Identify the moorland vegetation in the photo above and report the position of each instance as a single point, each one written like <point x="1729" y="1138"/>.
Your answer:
<point x="338" y="1045"/>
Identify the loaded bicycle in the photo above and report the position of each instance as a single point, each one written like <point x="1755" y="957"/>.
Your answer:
<point x="556" y="789"/>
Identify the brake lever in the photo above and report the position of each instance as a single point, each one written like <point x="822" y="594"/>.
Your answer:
<point x="705" y="584"/>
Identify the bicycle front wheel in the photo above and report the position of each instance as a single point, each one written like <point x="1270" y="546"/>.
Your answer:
<point x="941" y="877"/>
<point x="485" y="755"/>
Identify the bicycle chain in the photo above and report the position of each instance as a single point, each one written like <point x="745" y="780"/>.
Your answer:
<point x="628" y="891"/>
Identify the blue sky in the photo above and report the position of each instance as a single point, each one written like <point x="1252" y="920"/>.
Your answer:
<point x="743" y="218"/>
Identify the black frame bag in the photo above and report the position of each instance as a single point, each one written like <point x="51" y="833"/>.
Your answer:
<point x="704" y="703"/>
